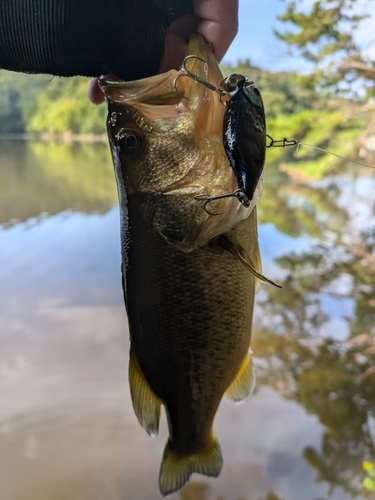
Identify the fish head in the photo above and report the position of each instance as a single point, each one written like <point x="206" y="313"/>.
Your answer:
<point x="165" y="135"/>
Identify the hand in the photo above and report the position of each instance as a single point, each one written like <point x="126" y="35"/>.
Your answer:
<point x="215" y="20"/>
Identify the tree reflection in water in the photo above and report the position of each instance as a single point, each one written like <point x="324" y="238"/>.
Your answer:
<point x="49" y="177"/>
<point x="201" y="491"/>
<point x="314" y="340"/>
<point x="316" y="337"/>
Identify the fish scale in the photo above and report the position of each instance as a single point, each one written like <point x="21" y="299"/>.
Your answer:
<point x="166" y="283"/>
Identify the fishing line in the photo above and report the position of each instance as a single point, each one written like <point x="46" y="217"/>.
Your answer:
<point x="333" y="154"/>
<point x="282" y="143"/>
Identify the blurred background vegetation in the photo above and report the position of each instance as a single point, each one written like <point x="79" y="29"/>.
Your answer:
<point x="294" y="108"/>
<point x="332" y="107"/>
<point x="45" y="104"/>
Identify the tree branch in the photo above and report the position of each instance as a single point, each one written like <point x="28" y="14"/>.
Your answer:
<point x="351" y="64"/>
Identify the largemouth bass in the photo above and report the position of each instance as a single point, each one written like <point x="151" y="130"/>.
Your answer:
<point x="188" y="293"/>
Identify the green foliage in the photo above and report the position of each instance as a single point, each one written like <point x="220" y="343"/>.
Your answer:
<point x="332" y="130"/>
<point x="283" y="92"/>
<point x="369" y="481"/>
<point x="318" y="33"/>
<point x="64" y="106"/>
<point x="42" y="104"/>
<point x="325" y="35"/>
<point x="18" y="94"/>
<point x="294" y="109"/>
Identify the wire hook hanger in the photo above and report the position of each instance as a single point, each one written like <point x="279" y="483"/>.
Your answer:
<point x="195" y="77"/>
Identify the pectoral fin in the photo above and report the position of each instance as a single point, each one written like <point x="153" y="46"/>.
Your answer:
<point x="145" y="402"/>
<point x="245" y="259"/>
<point x="243" y="384"/>
<point x="175" y="469"/>
<point x="257" y="265"/>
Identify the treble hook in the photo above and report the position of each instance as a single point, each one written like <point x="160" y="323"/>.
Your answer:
<point x="195" y="77"/>
<point x="281" y="143"/>
<point x="238" y="193"/>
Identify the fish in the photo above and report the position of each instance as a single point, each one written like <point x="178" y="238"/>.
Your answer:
<point x="187" y="275"/>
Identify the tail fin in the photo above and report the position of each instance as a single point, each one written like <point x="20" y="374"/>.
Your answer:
<point x="175" y="471"/>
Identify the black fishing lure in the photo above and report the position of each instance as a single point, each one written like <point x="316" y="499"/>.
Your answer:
<point x="244" y="131"/>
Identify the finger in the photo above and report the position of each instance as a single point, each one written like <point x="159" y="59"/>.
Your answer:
<point x="216" y="20"/>
<point x="176" y="42"/>
<point x="184" y="26"/>
<point x="219" y="23"/>
<point x="174" y="53"/>
<point x="96" y="96"/>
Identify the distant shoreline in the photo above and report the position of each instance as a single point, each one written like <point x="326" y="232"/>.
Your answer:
<point x="66" y="137"/>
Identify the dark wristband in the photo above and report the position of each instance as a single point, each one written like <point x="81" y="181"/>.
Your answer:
<point x="89" y="38"/>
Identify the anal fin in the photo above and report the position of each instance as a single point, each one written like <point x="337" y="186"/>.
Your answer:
<point x="175" y="469"/>
<point x="146" y="403"/>
<point x="244" y="383"/>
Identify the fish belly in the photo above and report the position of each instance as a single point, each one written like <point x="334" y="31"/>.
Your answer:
<point x="190" y="318"/>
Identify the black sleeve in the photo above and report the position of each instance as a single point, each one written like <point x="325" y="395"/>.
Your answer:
<point x="86" y="37"/>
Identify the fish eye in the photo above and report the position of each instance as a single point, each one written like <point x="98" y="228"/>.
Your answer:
<point x="232" y="82"/>
<point x="129" y="140"/>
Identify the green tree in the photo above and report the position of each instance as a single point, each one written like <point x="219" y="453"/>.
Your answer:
<point x="18" y="94"/>
<point x="64" y="106"/>
<point x="283" y="92"/>
<point x="45" y="104"/>
<point x="296" y="110"/>
<point x="326" y="35"/>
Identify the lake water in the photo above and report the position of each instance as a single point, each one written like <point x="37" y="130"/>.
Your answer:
<point x="67" y="427"/>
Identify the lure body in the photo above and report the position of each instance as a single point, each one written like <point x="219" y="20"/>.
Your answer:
<point x="244" y="132"/>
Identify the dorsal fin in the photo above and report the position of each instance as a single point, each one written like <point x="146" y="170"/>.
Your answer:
<point x="145" y="402"/>
<point x="243" y="384"/>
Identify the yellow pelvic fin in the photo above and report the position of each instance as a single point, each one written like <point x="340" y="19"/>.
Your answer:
<point x="145" y="402"/>
<point x="175" y="471"/>
<point x="243" y="257"/>
<point x="244" y="383"/>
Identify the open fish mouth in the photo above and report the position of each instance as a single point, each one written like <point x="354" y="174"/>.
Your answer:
<point x="189" y="117"/>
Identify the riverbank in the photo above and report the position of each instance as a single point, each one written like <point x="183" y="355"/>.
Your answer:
<point x="66" y="137"/>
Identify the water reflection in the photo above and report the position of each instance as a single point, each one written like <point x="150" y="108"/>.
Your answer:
<point x="319" y="334"/>
<point x="67" y="426"/>
<point x="37" y="177"/>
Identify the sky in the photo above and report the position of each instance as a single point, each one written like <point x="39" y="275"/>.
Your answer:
<point x="256" y="40"/>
